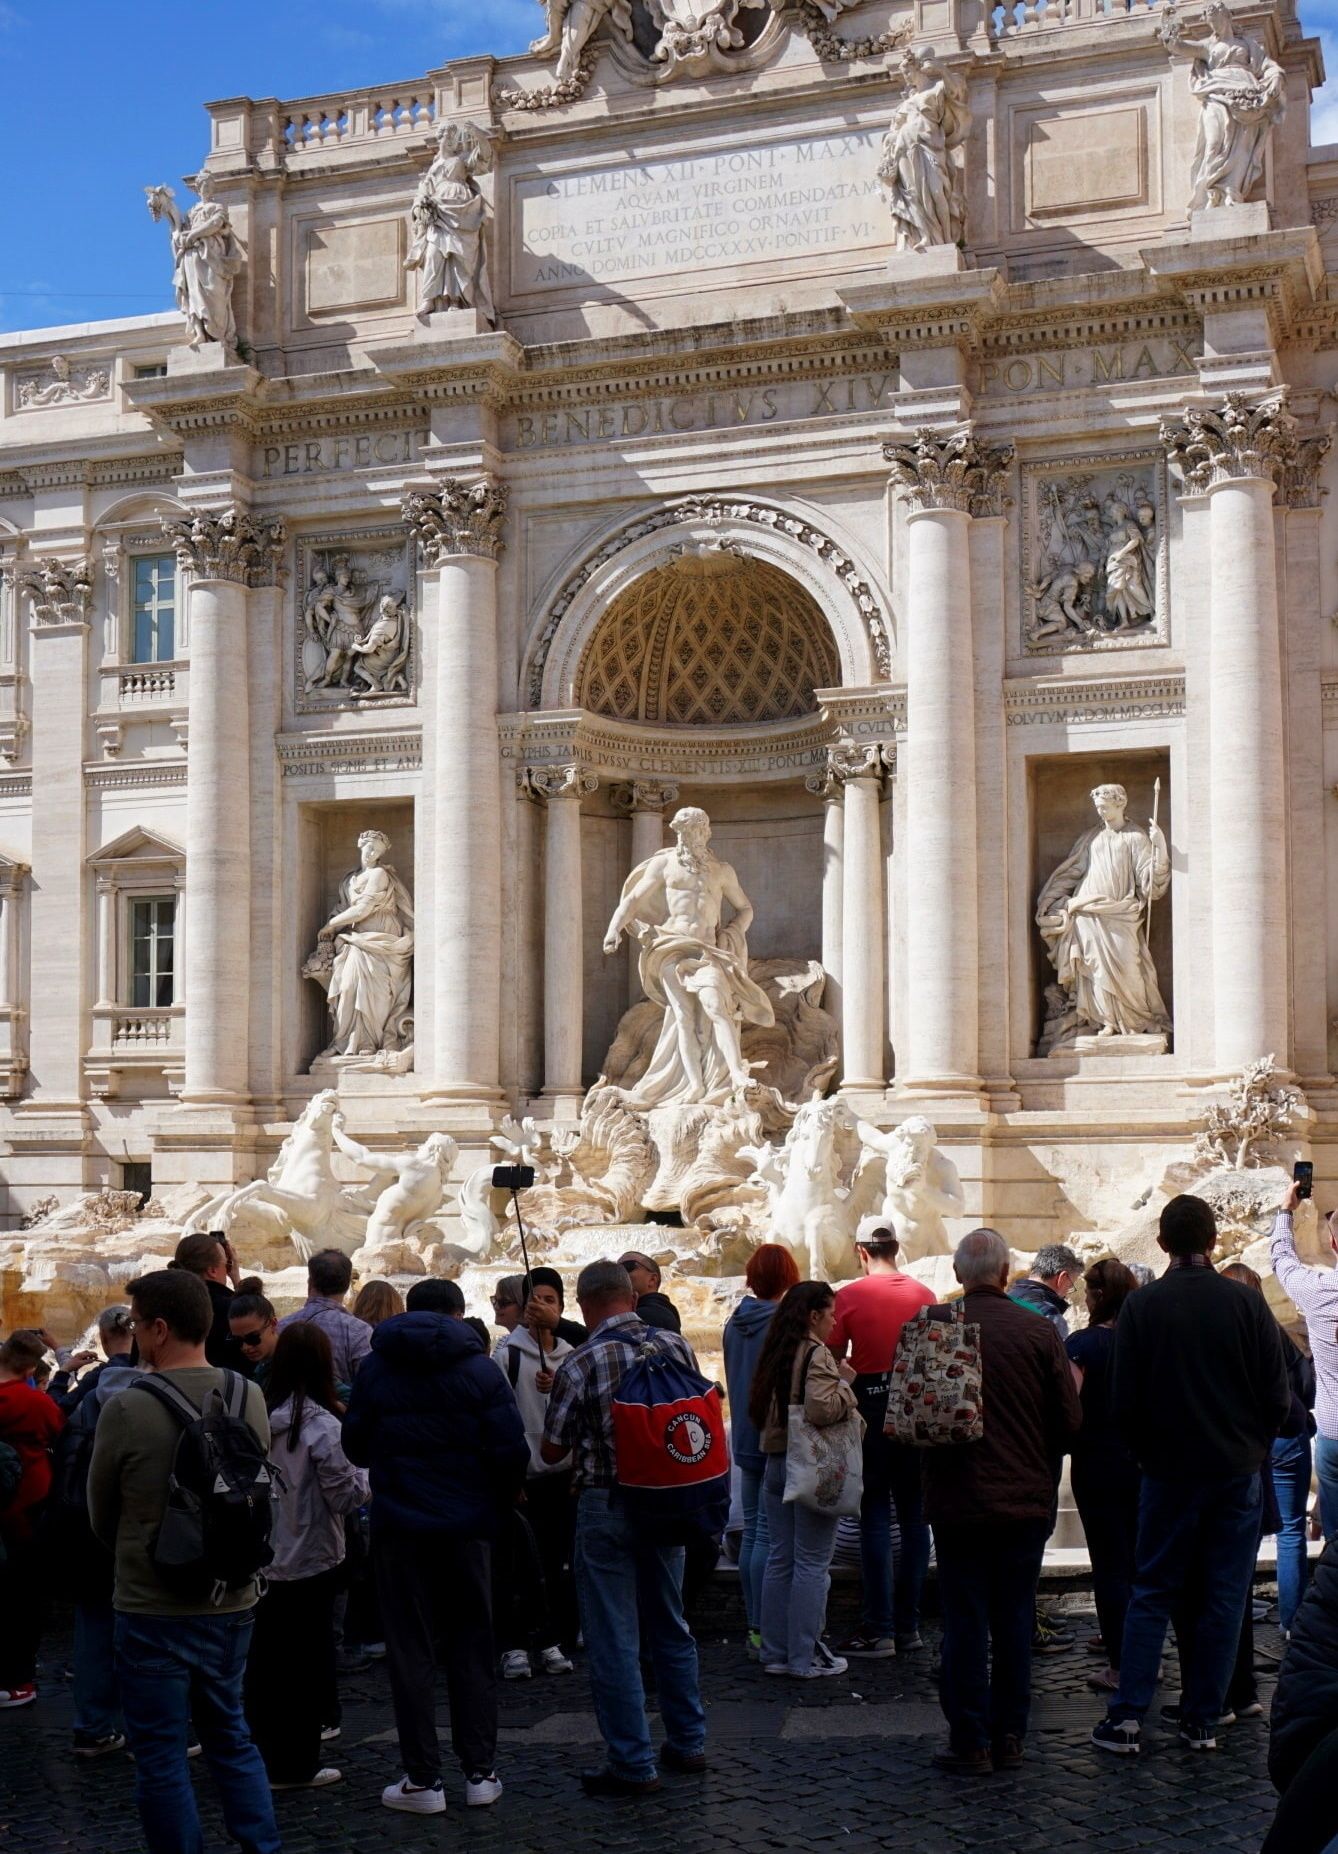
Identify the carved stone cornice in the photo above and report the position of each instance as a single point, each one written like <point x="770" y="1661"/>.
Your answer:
<point x="644" y="795"/>
<point x="60" y="590"/>
<point x="951" y="470"/>
<point x="228" y="544"/>
<point x="1238" y="439"/>
<point x="457" y="518"/>
<point x="548" y="783"/>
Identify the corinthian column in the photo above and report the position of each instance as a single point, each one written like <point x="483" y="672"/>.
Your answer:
<point x="945" y="478"/>
<point x="458" y="526"/>
<point x="1235" y="454"/>
<point x="826" y="786"/>
<point x="227" y="554"/>
<point x="562" y="788"/>
<point x="859" y="770"/>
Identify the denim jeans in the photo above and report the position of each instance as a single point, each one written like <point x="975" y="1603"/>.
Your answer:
<point x="97" y="1700"/>
<point x="891" y="1604"/>
<point x="987" y="1577"/>
<point x="754" y="1545"/>
<point x="797" y="1577"/>
<point x="1107" y="1502"/>
<point x="1196" y="1540"/>
<point x="630" y="1593"/>
<point x="1291" y="1484"/>
<point x="175" y="1668"/>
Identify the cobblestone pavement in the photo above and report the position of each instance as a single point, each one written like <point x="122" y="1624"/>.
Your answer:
<point x="841" y="1764"/>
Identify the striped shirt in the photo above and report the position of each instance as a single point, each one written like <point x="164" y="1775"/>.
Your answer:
<point x="1314" y="1293"/>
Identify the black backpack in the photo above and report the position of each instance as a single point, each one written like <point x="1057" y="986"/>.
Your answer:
<point x="215" y="1532"/>
<point x="73" y="1454"/>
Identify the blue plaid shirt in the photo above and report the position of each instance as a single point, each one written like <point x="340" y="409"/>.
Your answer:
<point x="580" y="1404"/>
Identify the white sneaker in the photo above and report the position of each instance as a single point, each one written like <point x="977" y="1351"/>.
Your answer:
<point x="412" y="1799"/>
<point x="553" y="1661"/>
<point x="516" y="1664"/>
<point x="321" y="1781"/>
<point x="329" y="1732"/>
<point x="822" y="1665"/>
<point x="481" y="1788"/>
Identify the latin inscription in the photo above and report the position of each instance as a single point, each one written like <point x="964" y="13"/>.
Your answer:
<point x="362" y="450"/>
<point x="644" y="418"/>
<point x="1127" y="361"/>
<point x="659" y="218"/>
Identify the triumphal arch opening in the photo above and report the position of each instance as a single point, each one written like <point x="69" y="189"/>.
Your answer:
<point x="737" y="608"/>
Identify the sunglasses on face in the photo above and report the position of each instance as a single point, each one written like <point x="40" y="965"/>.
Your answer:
<point x="251" y="1340"/>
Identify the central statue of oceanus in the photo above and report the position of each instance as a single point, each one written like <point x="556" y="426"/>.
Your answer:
<point x="694" y="965"/>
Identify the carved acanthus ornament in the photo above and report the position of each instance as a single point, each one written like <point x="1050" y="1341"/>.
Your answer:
<point x="1300" y="484"/>
<point x="696" y="36"/>
<point x="60" y="590"/>
<point x="228" y="544"/>
<point x="459" y="518"/>
<point x="951" y="470"/>
<point x="817" y="21"/>
<point x="644" y="795"/>
<point x="855" y="759"/>
<point x="1235" y="440"/>
<point x="553" y="782"/>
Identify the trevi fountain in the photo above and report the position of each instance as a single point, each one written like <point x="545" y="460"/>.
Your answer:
<point x="737" y="608"/>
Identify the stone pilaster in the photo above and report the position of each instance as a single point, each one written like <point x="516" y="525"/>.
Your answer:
<point x="59" y="593"/>
<point x="1236" y="453"/>
<point x="946" y="479"/>
<point x="562" y="788"/>
<point x="859" y="770"/>
<point x="459" y="530"/>
<point x="225" y="555"/>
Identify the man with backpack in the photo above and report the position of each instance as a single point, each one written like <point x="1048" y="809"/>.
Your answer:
<point x="179" y="1490"/>
<point x="629" y="1581"/>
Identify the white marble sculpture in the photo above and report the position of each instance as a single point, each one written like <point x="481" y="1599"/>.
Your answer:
<point x="449" y="219"/>
<point x="410" y="1188"/>
<point x="812" y="1209"/>
<point x="1242" y="94"/>
<point x="208" y="257"/>
<point x="67" y="385"/>
<point x="693" y="965"/>
<point x="696" y="36"/>
<point x="921" y="1186"/>
<point x="922" y="183"/>
<point x="571" y="26"/>
<point x="364" y="959"/>
<point x="1093" y="917"/>
<point x="300" y="1201"/>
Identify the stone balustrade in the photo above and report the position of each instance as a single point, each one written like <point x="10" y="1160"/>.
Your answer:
<point x="1014" y="17"/>
<point x="313" y="123"/>
<point x="157" y="684"/>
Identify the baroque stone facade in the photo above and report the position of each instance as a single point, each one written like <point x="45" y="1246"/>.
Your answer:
<point x="881" y="465"/>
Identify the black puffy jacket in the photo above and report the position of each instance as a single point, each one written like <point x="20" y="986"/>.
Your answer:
<point x="435" y="1422"/>
<point x="1305" y="1706"/>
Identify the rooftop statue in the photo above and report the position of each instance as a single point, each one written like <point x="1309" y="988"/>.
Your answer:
<point x="922" y="183"/>
<point x="1241" y="93"/>
<point x="449" y="219"/>
<point x="208" y="257"/>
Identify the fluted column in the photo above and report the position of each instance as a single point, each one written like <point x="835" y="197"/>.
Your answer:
<point x="227" y="554"/>
<point x="945" y="479"/>
<point x="562" y="788"/>
<point x="1236" y="454"/>
<point x="829" y="789"/>
<point x="859" y="769"/>
<point x="459" y="529"/>
<point x="645" y="801"/>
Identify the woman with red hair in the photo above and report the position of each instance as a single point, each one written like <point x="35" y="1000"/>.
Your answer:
<point x="770" y="1274"/>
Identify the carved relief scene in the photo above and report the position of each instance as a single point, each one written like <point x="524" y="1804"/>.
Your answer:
<point x="1094" y="560"/>
<point x="354" y="622"/>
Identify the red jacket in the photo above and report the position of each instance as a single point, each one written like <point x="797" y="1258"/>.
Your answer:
<point x="30" y="1421"/>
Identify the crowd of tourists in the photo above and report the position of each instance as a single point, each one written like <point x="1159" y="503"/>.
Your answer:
<point x="244" y="1507"/>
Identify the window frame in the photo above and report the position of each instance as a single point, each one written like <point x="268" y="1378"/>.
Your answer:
<point x="155" y="607"/>
<point x="155" y="938"/>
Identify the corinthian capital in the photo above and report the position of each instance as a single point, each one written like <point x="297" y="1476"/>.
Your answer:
<point x="855" y="759"/>
<point x="60" y="590"/>
<point x="228" y="544"/>
<point x="1235" y="439"/>
<point x="459" y="518"/>
<point x="951" y="470"/>
<point x="550" y="782"/>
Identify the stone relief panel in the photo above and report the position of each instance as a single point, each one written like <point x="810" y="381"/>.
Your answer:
<point x="1094" y="554"/>
<point x="353" y="631"/>
<point x="59" y="383"/>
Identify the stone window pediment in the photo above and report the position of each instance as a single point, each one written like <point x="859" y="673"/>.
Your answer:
<point x="713" y="639"/>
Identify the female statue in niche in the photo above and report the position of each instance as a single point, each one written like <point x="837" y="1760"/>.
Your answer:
<point x="1241" y="93"/>
<point x="364" y="957"/>
<point x="921" y="181"/>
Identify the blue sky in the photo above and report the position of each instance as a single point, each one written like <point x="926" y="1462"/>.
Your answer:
<point x="104" y="98"/>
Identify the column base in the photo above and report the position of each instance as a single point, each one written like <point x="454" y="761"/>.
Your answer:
<point x="465" y="1111"/>
<point x="965" y="1092"/>
<point x="562" y="1102"/>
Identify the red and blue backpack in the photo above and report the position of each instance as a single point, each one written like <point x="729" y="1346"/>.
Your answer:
<point x="670" y="1449"/>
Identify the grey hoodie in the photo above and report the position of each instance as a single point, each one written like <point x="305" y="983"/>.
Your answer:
<point x="318" y="1485"/>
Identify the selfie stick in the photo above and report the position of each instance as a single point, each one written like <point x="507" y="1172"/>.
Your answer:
<point x="520" y="1224"/>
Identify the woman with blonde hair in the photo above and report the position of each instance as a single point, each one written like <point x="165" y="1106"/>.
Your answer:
<point x="377" y="1301"/>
